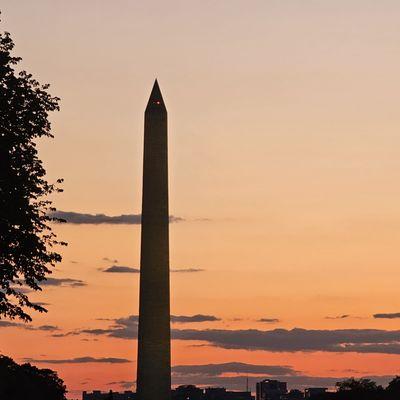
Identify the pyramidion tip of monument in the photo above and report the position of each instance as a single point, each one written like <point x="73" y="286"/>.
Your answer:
<point x="156" y="100"/>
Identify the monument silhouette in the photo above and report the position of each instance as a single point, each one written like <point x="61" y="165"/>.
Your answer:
<point x="154" y="349"/>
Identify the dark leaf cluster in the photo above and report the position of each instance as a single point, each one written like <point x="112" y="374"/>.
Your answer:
<point x="26" y="240"/>
<point x="23" y="382"/>
<point x="363" y="389"/>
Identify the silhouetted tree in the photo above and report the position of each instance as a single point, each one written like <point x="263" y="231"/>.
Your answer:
<point x="26" y="239"/>
<point x="359" y="389"/>
<point x="26" y="382"/>
<point x="393" y="389"/>
<point x="110" y="395"/>
<point x="357" y="385"/>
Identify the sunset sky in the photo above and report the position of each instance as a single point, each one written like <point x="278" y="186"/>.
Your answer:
<point x="284" y="158"/>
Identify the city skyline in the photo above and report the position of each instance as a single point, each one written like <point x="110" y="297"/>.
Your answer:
<point x="283" y="189"/>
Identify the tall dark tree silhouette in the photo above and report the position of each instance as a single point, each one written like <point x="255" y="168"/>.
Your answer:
<point x="357" y="389"/>
<point x="23" y="382"/>
<point x="26" y="238"/>
<point x="357" y="385"/>
<point x="393" y="389"/>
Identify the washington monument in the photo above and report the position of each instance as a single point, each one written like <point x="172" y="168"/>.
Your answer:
<point x="154" y="349"/>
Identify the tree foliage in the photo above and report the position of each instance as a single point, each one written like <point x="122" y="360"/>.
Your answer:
<point x="26" y="238"/>
<point x="23" y="382"/>
<point x="394" y="387"/>
<point x="363" y="389"/>
<point x="357" y="385"/>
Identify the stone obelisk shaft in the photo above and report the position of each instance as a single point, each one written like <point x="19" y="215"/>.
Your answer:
<point x="154" y="353"/>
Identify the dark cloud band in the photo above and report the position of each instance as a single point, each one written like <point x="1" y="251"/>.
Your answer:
<point x="47" y="328"/>
<point x="80" y="360"/>
<point x="64" y="282"/>
<point x="122" y="269"/>
<point x="187" y="270"/>
<point x="97" y="219"/>
<point x="387" y="315"/>
<point x="182" y="319"/>
<point x="282" y="340"/>
<point x="277" y="340"/>
<point x="269" y="320"/>
<point x="209" y="370"/>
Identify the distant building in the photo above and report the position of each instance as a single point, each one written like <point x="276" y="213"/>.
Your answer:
<point x="312" y="393"/>
<point x="238" y="396"/>
<point x="187" y="392"/>
<point x="98" y="395"/>
<point x="214" y="393"/>
<point x="270" y="389"/>
<point x="223" y="394"/>
<point x="184" y="392"/>
<point x="294" y="394"/>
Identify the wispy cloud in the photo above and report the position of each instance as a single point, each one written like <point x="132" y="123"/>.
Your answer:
<point x="10" y="324"/>
<point x="179" y="319"/>
<point x="344" y="316"/>
<point x="127" y="327"/>
<point x="124" y="384"/>
<point x="7" y="324"/>
<point x="387" y="315"/>
<point x="269" y="320"/>
<point x="231" y="367"/>
<point x="79" y="360"/>
<point x="64" y="282"/>
<point x="49" y="328"/>
<point x="64" y="334"/>
<point x="182" y="319"/>
<point x="110" y="260"/>
<point x="97" y="219"/>
<point x="187" y="270"/>
<point x="122" y="269"/>
<point x="22" y="289"/>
